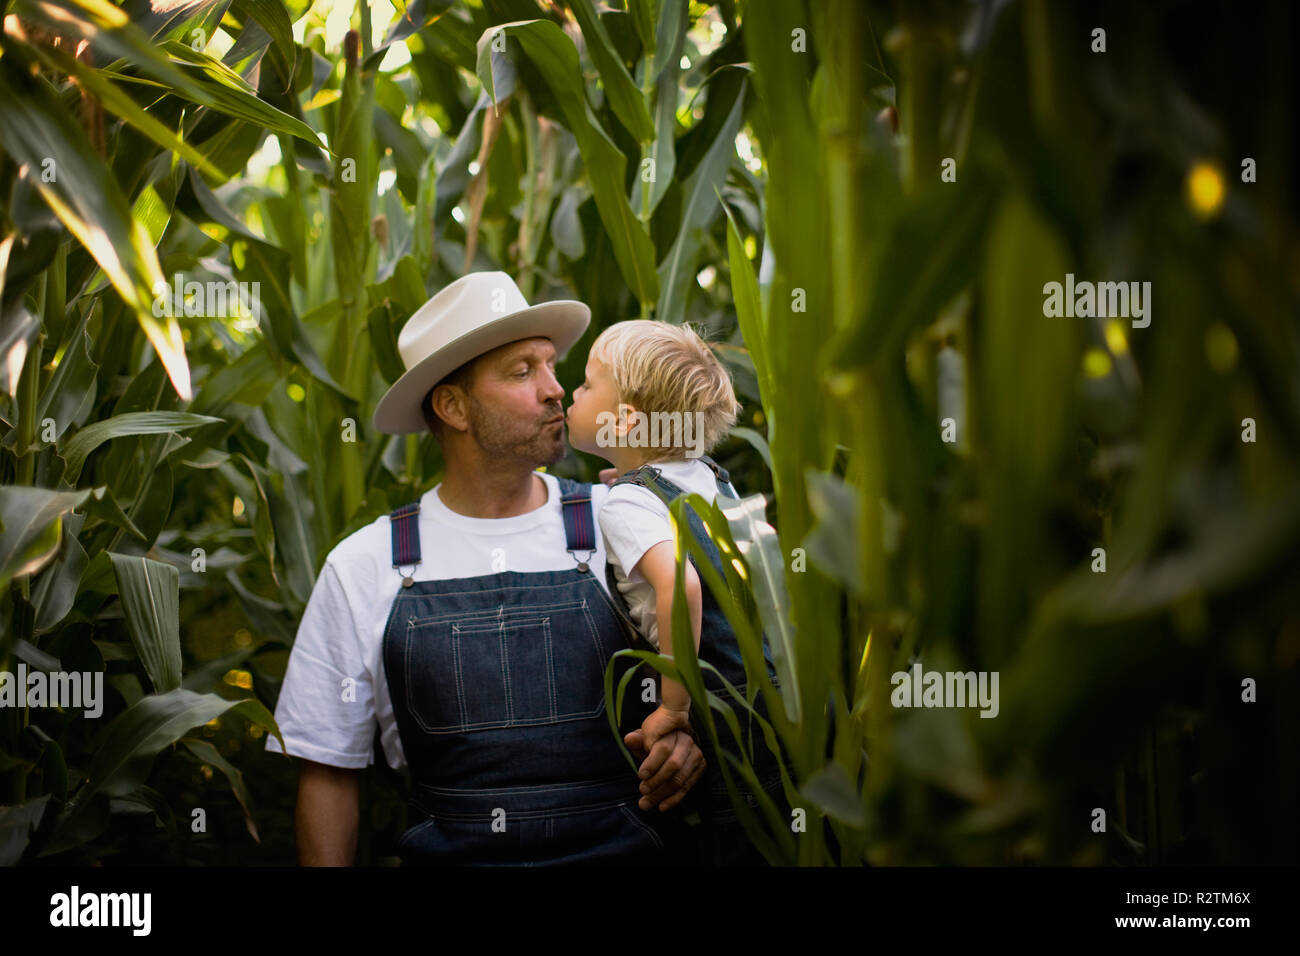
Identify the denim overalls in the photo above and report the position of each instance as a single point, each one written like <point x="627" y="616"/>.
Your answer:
<point x="498" y="688"/>
<point x="721" y="839"/>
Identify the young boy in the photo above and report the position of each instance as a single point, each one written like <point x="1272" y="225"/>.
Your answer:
<point x="654" y="400"/>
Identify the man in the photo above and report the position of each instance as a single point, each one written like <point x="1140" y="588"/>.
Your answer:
<point x="474" y="625"/>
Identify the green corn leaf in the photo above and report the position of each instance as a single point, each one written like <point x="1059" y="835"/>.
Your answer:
<point x="832" y="792"/>
<point x="932" y="253"/>
<point x="211" y="207"/>
<point x="102" y="505"/>
<point x="189" y="23"/>
<point x="556" y="58"/>
<point x="664" y="150"/>
<point x="18" y="329"/>
<point x="295" y="538"/>
<point x="757" y="441"/>
<point x="109" y="28"/>
<point x="261" y="262"/>
<point x="211" y="83"/>
<point x="17" y="824"/>
<point x="32" y="523"/>
<point x="671" y="19"/>
<point x="749" y="639"/>
<point x="742" y="767"/>
<point x="423" y="222"/>
<point x="247" y="380"/>
<point x="684" y="655"/>
<point x="77" y="448"/>
<point x="417" y="17"/>
<point x="56" y="590"/>
<point x="70" y="392"/>
<point x="150" y="593"/>
<point x="125" y="754"/>
<point x="677" y="271"/>
<point x="118" y="102"/>
<point x="40" y="135"/>
<point x="209" y="754"/>
<point x="566" y="224"/>
<point x="173" y="66"/>
<point x="274" y="19"/>
<point x="760" y="549"/>
<point x="749" y="308"/>
<point x="624" y="97"/>
<point x="833" y="542"/>
<point x="263" y="527"/>
<point x="644" y="14"/>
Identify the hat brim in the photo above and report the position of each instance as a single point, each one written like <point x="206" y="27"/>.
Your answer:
<point x="562" y="321"/>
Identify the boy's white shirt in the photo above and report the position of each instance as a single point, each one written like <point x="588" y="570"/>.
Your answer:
<point x="633" y="520"/>
<point x="342" y="629"/>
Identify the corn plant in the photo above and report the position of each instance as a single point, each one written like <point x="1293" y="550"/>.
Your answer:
<point x="965" y="483"/>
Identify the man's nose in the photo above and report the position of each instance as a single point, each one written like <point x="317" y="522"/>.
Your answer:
<point x="552" y="390"/>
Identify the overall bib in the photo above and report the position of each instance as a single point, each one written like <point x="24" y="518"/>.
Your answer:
<point x="721" y="839"/>
<point x="498" y="687"/>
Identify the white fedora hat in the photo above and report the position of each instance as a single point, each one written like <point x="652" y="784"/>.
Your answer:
<point x="475" y="314"/>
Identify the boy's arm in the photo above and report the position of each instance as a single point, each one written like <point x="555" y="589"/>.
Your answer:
<point x="659" y="567"/>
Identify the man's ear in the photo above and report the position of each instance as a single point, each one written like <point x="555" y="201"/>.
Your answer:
<point x="450" y="404"/>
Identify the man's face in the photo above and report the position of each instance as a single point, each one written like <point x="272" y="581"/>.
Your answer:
<point x="514" y="405"/>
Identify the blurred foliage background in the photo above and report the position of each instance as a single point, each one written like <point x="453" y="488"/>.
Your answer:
<point x="773" y="172"/>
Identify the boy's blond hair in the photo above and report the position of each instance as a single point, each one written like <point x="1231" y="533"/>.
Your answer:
<point x="659" y="367"/>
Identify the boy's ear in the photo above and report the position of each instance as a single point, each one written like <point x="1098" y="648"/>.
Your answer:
<point x="625" y="416"/>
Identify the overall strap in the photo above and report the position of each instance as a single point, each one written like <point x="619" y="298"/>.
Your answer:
<point x="405" y="522"/>
<point x="720" y="475"/>
<point x="579" y="526"/>
<point x="648" y="476"/>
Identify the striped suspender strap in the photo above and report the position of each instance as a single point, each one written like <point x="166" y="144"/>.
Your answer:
<point x="579" y="528"/>
<point x="406" y="538"/>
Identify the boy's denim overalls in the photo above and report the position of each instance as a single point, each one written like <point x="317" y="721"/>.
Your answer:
<point x="498" y="687"/>
<point x="721" y="839"/>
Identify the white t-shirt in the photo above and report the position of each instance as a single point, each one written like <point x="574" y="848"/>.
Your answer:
<point x="633" y="520"/>
<point x="342" y="628"/>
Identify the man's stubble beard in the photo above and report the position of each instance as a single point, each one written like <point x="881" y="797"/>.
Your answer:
<point x="503" y="438"/>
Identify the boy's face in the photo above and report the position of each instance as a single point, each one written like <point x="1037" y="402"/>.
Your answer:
<point x="595" y="395"/>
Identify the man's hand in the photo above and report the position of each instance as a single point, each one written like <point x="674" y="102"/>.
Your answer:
<point x="607" y="476"/>
<point x="673" y="766"/>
